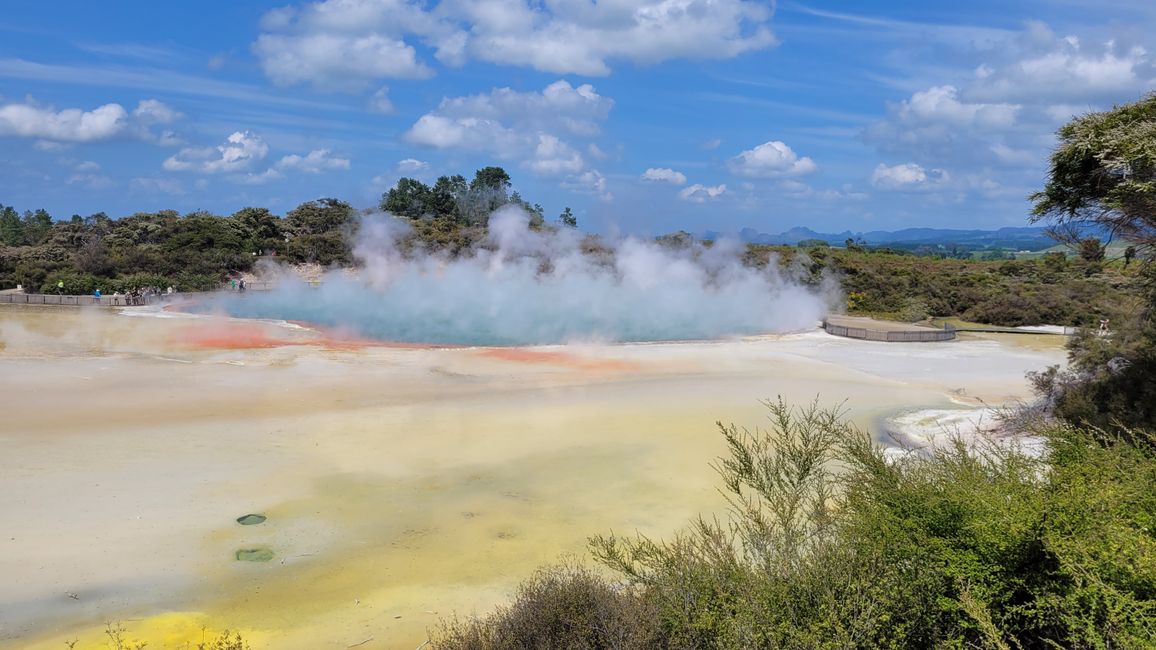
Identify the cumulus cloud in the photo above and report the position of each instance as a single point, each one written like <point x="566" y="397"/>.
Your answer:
<point x="314" y="162"/>
<point x="73" y="125"/>
<point x="908" y="177"/>
<point x="530" y="127"/>
<point x="347" y="44"/>
<point x="68" y="125"/>
<point x="336" y="61"/>
<point x="237" y="154"/>
<point x="699" y="193"/>
<point x="151" y="111"/>
<point x="771" y="159"/>
<point x="937" y="123"/>
<point x="940" y="105"/>
<point x="412" y="165"/>
<point x="664" y="175"/>
<point x="1044" y="66"/>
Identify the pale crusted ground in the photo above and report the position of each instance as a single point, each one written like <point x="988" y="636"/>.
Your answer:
<point x="401" y="485"/>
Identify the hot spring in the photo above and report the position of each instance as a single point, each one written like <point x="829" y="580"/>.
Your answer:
<point x="527" y="287"/>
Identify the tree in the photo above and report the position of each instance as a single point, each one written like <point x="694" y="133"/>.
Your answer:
<point x="494" y="178"/>
<point x="567" y="218"/>
<point x="37" y="225"/>
<point x="319" y="217"/>
<point x="443" y="200"/>
<point x="1091" y="250"/>
<point x="11" y="227"/>
<point x="409" y="198"/>
<point x="259" y="228"/>
<point x="1103" y="173"/>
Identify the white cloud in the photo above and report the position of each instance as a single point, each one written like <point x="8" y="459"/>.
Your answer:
<point x="336" y="61"/>
<point x="936" y="123"/>
<point x="665" y="175"/>
<point x="314" y="162"/>
<point x="91" y="181"/>
<point x="771" y="159"/>
<point x="940" y="105"/>
<point x="553" y="157"/>
<point x="908" y="177"/>
<point x="1012" y="156"/>
<point x="590" y="181"/>
<point x="88" y="166"/>
<point x="73" y="125"/>
<point x="258" y="178"/>
<point x="1043" y="66"/>
<point x="583" y="38"/>
<point x="380" y="102"/>
<point x="157" y="186"/>
<point x="349" y="43"/>
<point x="698" y="193"/>
<point x="151" y="111"/>
<point x="412" y="165"/>
<point x="533" y="128"/>
<point x="560" y="107"/>
<point x="68" y="125"/>
<point x="799" y="190"/>
<point x="238" y="153"/>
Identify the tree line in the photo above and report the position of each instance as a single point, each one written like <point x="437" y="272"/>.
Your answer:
<point x="199" y="250"/>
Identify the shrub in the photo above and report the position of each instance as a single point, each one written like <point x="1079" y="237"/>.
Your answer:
<point x="566" y="606"/>
<point x="831" y="543"/>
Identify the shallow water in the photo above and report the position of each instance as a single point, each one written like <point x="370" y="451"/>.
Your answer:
<point x="400" y="485"/>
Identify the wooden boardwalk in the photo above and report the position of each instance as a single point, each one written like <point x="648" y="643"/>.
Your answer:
<point x="869" y="329"/>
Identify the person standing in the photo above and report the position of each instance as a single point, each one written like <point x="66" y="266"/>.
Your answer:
<point x="60" y="287"/>
<point x="96" y="296"/>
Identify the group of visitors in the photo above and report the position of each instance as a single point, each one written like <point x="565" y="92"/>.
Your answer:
<point x="135" y="296"/>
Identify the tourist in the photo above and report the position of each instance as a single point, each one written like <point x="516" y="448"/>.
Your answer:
<point x="96" y="296"/>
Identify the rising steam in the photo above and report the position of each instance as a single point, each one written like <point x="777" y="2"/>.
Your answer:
<point x="538" y="287"/>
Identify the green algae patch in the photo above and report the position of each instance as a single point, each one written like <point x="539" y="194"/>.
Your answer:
<point x="254" y="554"/>
<point x="251" y="519"/>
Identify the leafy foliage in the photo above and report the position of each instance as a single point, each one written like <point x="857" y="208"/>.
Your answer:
<point x="830" y="543"/>
<point x="1104" y="172"/>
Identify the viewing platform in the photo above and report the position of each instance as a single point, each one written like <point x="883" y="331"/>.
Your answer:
<point x="870" y="329"/>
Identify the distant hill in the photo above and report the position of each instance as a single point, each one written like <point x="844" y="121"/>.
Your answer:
<point x="1019" y="238"/>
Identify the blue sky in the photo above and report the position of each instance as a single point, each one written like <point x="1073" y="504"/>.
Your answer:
<point x="644" y="116"/>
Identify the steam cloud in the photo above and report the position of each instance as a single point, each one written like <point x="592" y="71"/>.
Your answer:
<point x="536" y="287"/>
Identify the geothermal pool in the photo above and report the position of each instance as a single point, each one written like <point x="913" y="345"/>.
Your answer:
<point x="400" y="484"/>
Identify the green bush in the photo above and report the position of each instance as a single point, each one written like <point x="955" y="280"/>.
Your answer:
<point x="566" y="606"/>
<point x="831" y="543"/>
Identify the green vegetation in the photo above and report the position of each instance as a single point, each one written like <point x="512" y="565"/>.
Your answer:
<point x="830" y="543"/>
<point x="193" y="252"/>
<point x="1051" y="289"/>
<point x="198" y="251"/>
<point x="1104" y="173"/>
